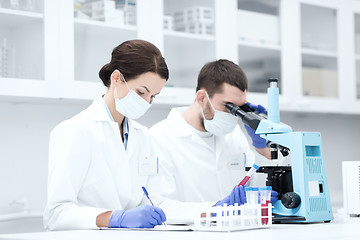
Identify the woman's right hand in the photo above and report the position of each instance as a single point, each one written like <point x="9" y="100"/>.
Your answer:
<point x="141" y="217"/>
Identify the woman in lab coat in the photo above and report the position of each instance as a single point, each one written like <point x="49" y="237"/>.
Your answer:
<point x="100" y="158"/>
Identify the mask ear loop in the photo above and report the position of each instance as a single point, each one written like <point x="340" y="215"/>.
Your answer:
<point x="115" y="92"/>
<point x="210" y="101"/>
<point x="125" y="81"/>
<point x="202" y="110"/>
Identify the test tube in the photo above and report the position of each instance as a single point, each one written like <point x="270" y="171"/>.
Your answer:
<point x="253" y="200"/>
<point x="251" y="195"/>
<point x="249" y="174"/>
<point x="265" y="197"/>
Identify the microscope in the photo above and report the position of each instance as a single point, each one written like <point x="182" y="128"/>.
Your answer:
<point x="303" y="187"/>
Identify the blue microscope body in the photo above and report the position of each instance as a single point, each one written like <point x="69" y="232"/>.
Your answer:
<point x="303" y="187"/>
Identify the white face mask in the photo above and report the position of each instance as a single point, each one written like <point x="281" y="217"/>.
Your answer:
<point x="132" y="105"/>
<point x="222" y="122"/>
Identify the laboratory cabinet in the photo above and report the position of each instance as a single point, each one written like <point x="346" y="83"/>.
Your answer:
<point x="53" y="49"/>
<point x="27" y="45"/>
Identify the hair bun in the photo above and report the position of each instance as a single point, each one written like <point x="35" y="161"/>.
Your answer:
<point x="104" y="74"/>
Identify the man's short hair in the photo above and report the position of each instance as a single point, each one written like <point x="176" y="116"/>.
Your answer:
<point x="214" y="74"/>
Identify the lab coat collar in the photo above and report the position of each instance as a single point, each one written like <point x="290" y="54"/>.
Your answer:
<point x="99" y="114"/>
<point x="182" y="128"/>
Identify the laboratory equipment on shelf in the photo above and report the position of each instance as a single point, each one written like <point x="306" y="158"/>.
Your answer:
<point x="4" y="62"/>
<point x="303" y="187"/>
<point x="249" y="174"/>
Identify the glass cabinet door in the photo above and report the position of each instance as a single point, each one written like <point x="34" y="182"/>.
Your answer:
<point x="259" y="46"/>
<point x="99" y="26"/>
<point x="357" y="54"/>
<point x="189" y="42"/>
<point x="319" y="51"/>
<point x="22" y="39"/>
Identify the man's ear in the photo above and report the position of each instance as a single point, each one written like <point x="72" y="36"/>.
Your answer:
<point x="200" y="97"/>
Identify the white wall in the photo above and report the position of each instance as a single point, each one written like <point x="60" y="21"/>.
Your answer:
<point x="25" y="128"/>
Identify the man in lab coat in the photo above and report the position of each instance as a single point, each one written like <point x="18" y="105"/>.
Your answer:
<point x="202" y="150"/>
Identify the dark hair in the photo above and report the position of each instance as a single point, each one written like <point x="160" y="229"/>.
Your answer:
<point x="133" y="58"/>
<point x="214" y="74"/>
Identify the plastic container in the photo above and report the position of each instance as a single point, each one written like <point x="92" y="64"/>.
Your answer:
<point x="252" y="195"/>
<point x="265" y="197"/>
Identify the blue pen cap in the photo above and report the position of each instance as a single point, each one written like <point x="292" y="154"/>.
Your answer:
<point x="256" y="166"/>
<point x="144" y="189"/>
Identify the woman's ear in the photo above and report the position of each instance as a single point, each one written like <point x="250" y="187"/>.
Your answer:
<point x="115" y="77"/>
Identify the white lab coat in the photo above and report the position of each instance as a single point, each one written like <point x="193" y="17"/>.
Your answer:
<point x="90" y="171"/>
<point x="190" y="170"/>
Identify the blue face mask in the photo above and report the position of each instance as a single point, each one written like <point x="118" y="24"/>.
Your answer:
<point x="222" y="122"/>
<point x="132" y="105"/>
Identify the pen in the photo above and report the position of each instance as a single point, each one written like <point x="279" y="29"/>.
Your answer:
<point x="147" y="195"/>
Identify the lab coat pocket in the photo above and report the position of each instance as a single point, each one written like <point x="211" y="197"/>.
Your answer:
<point x="236" y="161"/>
<point x="148" y="165"/>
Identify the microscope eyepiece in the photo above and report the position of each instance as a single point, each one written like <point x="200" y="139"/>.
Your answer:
<point x="251" y="118"/>
<point x="273" y="80"/>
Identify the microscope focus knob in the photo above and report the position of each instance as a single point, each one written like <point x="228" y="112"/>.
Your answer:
<point x="291" y="200"/>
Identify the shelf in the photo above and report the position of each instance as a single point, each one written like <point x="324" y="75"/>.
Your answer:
<point x="24" y="87"/>
<point x="103" y="25"/>
<point x="83" y="90"/>
<point x="324" y="105"/>
<point x="52" y="101"/>
<point x="308" y="104"/>
<point x="190" y="36"/>
<point x="10" y="17"/>
<point x="319" y="61"/>
<point x="259" y="45"/>
<point x="175" y="96"/>
<point x="320" y="53"/>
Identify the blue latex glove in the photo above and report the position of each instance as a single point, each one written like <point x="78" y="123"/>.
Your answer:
<point x="237" y="195"/>
<point x="258" y="108"/>
<point x="257" y="141"/>
<point x="141" y="217"/>
<point x="274" y="196"/>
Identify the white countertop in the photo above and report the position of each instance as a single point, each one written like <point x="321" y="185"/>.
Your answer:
<point x="340" y="228"/>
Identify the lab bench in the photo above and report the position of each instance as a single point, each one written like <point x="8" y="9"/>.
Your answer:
<point x="344" y="228"/>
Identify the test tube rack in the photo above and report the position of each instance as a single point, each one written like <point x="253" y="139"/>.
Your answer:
<point x="234" y="218"/>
